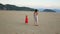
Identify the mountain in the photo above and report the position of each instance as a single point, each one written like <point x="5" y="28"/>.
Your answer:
<point x="48" y="10"/>
<point x="55" y="9"/>
<point x="13" y="7"/>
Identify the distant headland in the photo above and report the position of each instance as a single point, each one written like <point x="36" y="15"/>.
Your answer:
<point x="48" y="10"/>
<point x="13" y="7"/>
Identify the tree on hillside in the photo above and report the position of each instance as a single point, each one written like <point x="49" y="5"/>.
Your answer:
<point x="1" y="6"/>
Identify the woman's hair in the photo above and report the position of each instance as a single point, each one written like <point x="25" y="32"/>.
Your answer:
<point x="36" y="10"/>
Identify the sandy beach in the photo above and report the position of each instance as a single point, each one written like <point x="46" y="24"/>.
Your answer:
<point x="13" y="22"/>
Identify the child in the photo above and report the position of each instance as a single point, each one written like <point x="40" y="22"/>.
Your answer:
<point x="26" y="19"/>
<point x="36" y="17"/>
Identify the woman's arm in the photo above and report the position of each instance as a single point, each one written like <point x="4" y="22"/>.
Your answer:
<point x="36" y="13"/>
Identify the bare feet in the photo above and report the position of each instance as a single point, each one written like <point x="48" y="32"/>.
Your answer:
<point x="36" y="25"/>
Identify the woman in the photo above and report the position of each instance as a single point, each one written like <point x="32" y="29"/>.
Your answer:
<point x="36" y="17"/>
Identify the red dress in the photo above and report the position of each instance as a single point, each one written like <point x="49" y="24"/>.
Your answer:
<point x="26" y="20"/>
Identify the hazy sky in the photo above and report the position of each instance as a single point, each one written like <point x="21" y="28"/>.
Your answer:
<point x="33" y="3"/>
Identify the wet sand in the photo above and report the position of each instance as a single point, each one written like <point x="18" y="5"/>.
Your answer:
<point x="13" y="22"/>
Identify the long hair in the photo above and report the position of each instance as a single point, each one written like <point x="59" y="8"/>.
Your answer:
<point x="36" y="10"/>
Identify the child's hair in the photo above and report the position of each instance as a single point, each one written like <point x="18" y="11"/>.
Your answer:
<point x="36" y="10"/>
